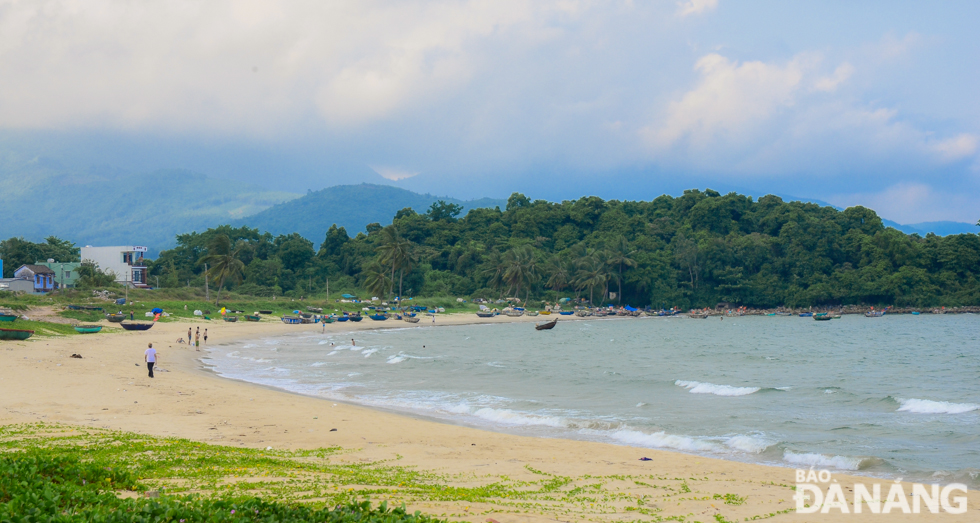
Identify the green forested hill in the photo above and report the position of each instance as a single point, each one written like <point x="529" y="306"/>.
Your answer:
<point x="107" y="206"/>
<point x="350" y="206"/>
<point x="694" y="250"/>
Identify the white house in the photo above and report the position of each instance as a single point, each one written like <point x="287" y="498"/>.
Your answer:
<point x="126" y="262"/>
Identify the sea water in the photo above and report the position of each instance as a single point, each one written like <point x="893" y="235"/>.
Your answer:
<point x="892" y="396"/>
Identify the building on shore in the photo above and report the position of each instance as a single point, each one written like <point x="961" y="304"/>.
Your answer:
<point x="16" y="285"/>
<point x="125" y="262"/>
<point x="41" y="276"/>
<point x="65" y="273"/>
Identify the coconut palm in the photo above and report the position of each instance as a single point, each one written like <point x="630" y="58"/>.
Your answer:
<point x="223" y="262"/>
<point x="620" y="254"/>
<point x="376" y="279"/>
<point x="559" y="273"/>
<point x="591" y="273"/>
<point x="521" y="268"/>
<point x="395" y="252"/>
<point x="493" y="268"/>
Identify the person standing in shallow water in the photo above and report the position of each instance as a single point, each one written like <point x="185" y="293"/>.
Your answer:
<point x="205" y="336"/>
<point x="197" y="339"/>
<point x="150" y="357"/>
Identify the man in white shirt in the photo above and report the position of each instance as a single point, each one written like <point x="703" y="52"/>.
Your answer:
<point x="150" y="357"/>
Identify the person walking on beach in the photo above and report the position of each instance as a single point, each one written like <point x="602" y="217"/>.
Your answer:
<point x="188" y="335"/>
<point x="205" y="336"/>
<point x="150" y="357"/>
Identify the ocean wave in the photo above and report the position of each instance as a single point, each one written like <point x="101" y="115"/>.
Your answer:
<point x="233" y="354"/>
<point x="812" y="459"/>
<point x="917" y="406"/>
<point x="397" y="358"/>
<point x="332" y="353"/>
<point x="496" y="364"/>
<point x="317" y="364"/>
<point x="662" y="440"/>
<point x="512" y="417"/>
<point x="696" y="387"/>
<point x="368" y="352"/>
<point x="749" y="444"/>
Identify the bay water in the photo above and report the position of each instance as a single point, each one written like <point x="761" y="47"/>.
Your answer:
<point x="897" y="396"/>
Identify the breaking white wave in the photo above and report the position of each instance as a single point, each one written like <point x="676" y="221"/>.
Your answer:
<point x="696" y="387"/>
<point x="662" y="440"/>
<point x="511" y="417"/>
<point x="397" y="358"/>
<point x="918" y="406"/>
<point x="317" y="364"/>
<point x="332" y="353"/>
<point x="749" y="444"/>
<point x="367" y="353"/>
<point x="811" y="459"/>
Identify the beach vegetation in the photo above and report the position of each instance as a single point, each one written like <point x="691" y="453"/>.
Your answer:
<point x="51" y="472"/>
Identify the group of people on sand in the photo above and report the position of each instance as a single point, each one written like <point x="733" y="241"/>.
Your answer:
<point x="150" y="355"/>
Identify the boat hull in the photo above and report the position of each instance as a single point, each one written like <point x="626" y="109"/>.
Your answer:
<point x="136" y="326"/>
<point x="88" y="329"/>
<point x="7" y="317"/>
<point x="252" y="318"/>
<point x="546" y="326"/>
<point x="15" y="334"/>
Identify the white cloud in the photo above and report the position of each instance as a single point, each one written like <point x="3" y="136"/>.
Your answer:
<point x="695" y="7"/>
<point x="830" y="83"/>
<point x="955" y="148"/>
<point x="245" y="66"/>
<point x="729" y="98"/>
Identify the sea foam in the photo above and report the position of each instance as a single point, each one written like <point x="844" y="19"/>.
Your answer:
<point x="811" y="459"/>
<point x="696" y="387"/>
<point x="918" y="406"/>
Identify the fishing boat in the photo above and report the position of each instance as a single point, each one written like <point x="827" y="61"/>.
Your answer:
<point x="356" y="317"/>
<point x="915" y="313"/>
<point x="115" y="318"/>
<point x="8" y="317"/>
<point x="411" y="319"/>
<point x="485" y="314"/>
<point x="317" y="310"/>
<point x="136" y="326"/>
<point x="513" y="313"/>
<point x="88" y="329"/>
<point x="231" y="319"/>
<point x="784" y="314"/>
<point x="84" y="308"/>
<point x="823" y="317"/>
<point x="566" y="313"/>
<point x="291" y="320"/>
<point x="532" y="313"/>
<point x="305" y="315"/>
<point x="378" y="317"/>
<point x="544" y="313"/>
<point x="343" y="318"/>
<point x="698" y="316"/>
<point x="15" y="334"/>
<point x="876" y="314"/>
<point x="249" y="317"/>
<point x="806" y="314"/>
<point x="265" y="312"/>
<point x="546" y="325"/>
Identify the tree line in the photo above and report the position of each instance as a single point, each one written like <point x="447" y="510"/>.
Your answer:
<point x="695" y="250"/>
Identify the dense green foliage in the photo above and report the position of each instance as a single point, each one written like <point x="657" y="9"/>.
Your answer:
<point x="16" y="252"/>
<point x="348" y="206"/>
<point x="694" y="250"/>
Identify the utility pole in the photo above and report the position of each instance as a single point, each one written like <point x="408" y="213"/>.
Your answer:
<point x="207" y="292"/>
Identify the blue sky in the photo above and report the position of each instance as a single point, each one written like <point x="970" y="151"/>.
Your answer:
<point x="869" y="103"/>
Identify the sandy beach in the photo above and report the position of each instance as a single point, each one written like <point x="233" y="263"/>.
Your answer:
<point x="109" y="388"/>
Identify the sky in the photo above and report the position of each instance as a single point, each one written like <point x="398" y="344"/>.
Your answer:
<point x="854" y="103"/>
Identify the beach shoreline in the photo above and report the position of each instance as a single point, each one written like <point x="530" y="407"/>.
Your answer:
<point x="108" y="388"/>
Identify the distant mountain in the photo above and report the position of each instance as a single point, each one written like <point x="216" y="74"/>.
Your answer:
<point x="106" y="206"/>
<point x="350" y="206"/>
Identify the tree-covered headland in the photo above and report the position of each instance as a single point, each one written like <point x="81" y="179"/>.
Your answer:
<point x="695" y="250"/>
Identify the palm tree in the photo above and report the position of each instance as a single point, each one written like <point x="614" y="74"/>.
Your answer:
<point x="520" y="269"/>
<point x="620" y="254"/>
<point x="558" y="272"/>
<point x="376" y="279"/>
<point x="395" y="252"/>
<point x="223" y="261"/>
<point x="493" y="269"/>
<point x="591" y="274"/>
